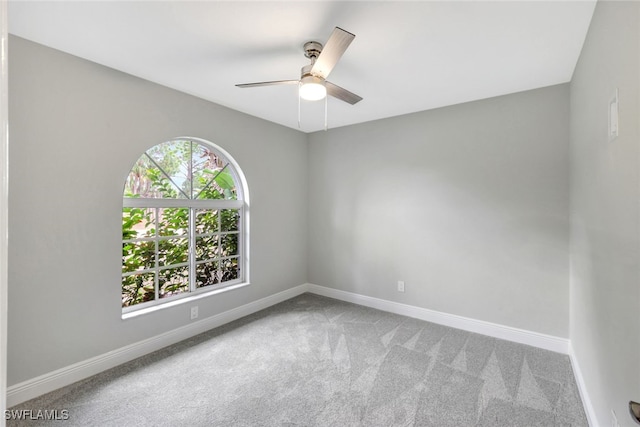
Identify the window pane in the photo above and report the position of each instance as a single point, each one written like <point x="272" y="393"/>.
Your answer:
<point x="208" y="274"/>
<point x="138" y="288"/>
<point x="229" y="244"/>
<point x="174" y="159"/>
<point x="173" y="221"/>
<point x="138" y="256"/>
<point x="206" y="247"/>
<point x="173" y="281"/>
<point x="137" y="223"/>
<point x="201" y="159"/>
<point x="227" y="184"/>
<point x="138" y="183"/>
<point x="216" y="183"/>
<point x="211" y="175"/>
<point x="147" y="180"/>
<point x="215" y="272"/>
<point x="229" y="269"/>
<point x="172" y="251"/>
<point x="206" y="166"/>
<point x="229" y="219"/>
<point x="206" y="221"/>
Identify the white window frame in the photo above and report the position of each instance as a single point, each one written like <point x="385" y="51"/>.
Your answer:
<point x="241" y="204"/>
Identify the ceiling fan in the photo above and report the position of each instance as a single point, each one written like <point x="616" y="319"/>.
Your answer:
<point x="313" y="85"/>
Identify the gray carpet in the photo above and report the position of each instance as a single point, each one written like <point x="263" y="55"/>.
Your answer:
<point x="315" y="361"/>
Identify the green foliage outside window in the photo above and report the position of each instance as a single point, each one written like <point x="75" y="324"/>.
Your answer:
<point x="156" y="260"/>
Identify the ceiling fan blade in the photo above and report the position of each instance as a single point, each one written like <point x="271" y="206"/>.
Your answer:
<point x="342" y="94"/>
<point x="332" y="51"/>
<point x="276" y="82"/>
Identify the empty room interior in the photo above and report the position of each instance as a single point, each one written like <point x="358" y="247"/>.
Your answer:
<point x="447" y="233"/>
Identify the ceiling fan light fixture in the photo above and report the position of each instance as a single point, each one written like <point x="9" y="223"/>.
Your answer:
<point x="312" y="88"/>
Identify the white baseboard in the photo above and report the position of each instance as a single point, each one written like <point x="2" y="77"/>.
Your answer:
<point x="38" y="386"/>
<point x="547" y="342"/>
<point x="582" y="388"/>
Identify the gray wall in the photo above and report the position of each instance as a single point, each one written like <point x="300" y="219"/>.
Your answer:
<point x="605" y="232"/>
<point x="467" y="204"/>
<point x="76" y="130"/>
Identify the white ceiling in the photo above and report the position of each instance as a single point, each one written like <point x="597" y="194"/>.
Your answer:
<point x="406" y="57"/>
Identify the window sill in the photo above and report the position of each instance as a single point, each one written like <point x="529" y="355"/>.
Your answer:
<point x="183" y="300"/>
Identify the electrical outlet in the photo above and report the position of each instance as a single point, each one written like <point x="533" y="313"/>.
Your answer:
<point x="194" y="312"/>
<point x="400" y="286"/>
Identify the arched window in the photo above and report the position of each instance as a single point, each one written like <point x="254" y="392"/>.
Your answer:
<point x="183" y="223"/>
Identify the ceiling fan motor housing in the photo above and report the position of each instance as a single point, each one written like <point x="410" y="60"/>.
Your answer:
<point x="312" y="49"/>
<point x="305" y="74"/>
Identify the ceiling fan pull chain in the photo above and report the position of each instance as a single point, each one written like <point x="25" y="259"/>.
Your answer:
<point x="299" y="85"/>
<point x="325" y="113"/>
